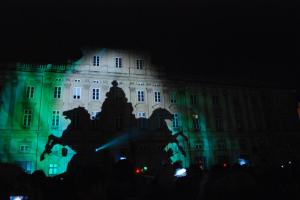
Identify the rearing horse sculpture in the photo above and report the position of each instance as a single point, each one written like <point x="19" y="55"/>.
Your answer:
<point x="82" y="136"/>
<point x="79" y="136"/>
<point x="156" y="124"/>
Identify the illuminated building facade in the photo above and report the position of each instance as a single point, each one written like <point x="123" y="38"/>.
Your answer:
<point x="223" y="121"/>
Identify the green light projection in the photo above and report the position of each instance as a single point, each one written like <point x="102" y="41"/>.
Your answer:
<point x="14" y="133"/>
<point x="200" y="136"/>
<point x="44" y="78"/>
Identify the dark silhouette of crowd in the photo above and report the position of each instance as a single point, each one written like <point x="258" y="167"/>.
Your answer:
<point x="98" y="173"/>
<point x="219" y="182"/>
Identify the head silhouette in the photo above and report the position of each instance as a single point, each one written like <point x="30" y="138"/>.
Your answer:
<point x="162" y="113"/>
<point x="80" y="112"/>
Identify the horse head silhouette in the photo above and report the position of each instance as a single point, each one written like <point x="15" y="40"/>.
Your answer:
<point x="162" y="113"/>
<point x="80" y="118"/>
<point x="158" y="117"/>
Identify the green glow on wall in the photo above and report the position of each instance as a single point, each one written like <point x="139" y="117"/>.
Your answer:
<point x="40" y="129"/>
<point x="37" y="135"/>
<point x="13" y="104"/>
<point x="202" y="135"/>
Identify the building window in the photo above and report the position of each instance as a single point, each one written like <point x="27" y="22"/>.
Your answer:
<point x="118" y="62"/>
<point x="24" y="148"/>
<point x="141" y="115"/>
<point x="219" y="123"/>
<point x="173" y="98"/>
<point x="77" y="80"/>
<point x="96" y="81"/>
<point x="96" y="94"/>
<point x="215" y="100"/>
<point x="57" y="92"/>
<point x="238" y="114"/>
<point x="141" y="119"/>
<point x="157" y="96"/>
<point x="201" y="162"/>
<point x="193" y="99"/>
<point x="222" y="145"/>
<point x="25" y="165"/>
<point x="175" y="121"/>
<point x="53" y="169"/>
<point x="93" y="118"/>
<point x="76" y="92"/>
<point x="198" y="146"/>
<point x="139" y="64"/>
<point x="27" y="118"/>
<point x="94" y="115"/>
<point x="96" y="60"/>
<point x="55" y="118"/>
<point x="141" y="96"/>
<point x="29" y="92"/>
<point x="196" y="124"/>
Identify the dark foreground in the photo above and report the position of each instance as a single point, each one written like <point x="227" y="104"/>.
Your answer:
<point x="231" y="182"/>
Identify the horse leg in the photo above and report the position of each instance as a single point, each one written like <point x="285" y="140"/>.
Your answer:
<point x="182" y="134"/>
<point x="52" y="140"/>
<point x="179" y="146"/>
<point x="174" y="140"/>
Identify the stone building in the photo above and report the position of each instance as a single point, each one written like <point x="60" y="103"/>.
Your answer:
<point x="223" y="121"/>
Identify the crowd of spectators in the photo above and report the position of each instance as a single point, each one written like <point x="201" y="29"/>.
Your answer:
<point x="122" y="182"/>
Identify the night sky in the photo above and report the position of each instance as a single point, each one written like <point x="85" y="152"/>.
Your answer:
<point x="255" y="41"/>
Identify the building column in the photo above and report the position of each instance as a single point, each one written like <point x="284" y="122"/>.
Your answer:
<point x="148" y="100"/>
